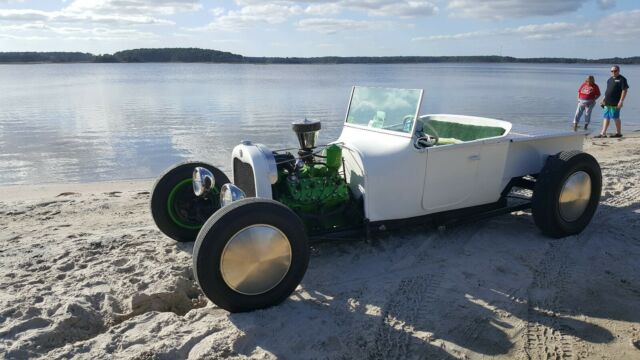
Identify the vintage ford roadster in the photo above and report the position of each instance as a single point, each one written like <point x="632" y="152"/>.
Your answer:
<point x="390" y="167"/>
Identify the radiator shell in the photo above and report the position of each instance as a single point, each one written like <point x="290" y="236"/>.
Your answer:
<point x="254" y="169"/>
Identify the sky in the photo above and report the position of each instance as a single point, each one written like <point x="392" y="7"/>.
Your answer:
<point x="305" y="28"/>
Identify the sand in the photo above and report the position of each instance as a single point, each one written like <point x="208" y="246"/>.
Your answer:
<point x="86" y="274"/>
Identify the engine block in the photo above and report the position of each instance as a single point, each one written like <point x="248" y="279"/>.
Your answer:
<point x="314" y="189"/>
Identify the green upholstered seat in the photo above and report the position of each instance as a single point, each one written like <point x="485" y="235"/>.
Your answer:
<point x="464" y="132"/>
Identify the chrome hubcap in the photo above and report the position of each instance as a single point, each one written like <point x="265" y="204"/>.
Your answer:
<point x="255" y="259"/>
<point x="575" y="196"/>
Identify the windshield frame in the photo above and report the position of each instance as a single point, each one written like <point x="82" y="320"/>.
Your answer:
<point x="391" y="132"/>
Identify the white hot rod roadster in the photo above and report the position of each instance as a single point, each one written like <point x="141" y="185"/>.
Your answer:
<point x="390" y="167"/>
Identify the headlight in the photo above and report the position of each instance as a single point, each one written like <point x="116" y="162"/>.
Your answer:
<point x="230" y="193"/>
<point x="203" y="181"/>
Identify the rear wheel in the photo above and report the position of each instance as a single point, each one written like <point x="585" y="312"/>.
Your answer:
<point x="176" y="210"/>
<point x="566" y="194"/>
<point x="251" y="254"/>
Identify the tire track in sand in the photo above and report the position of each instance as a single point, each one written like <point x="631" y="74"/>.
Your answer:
<point x="547" y="338"/>
<point x="547" y="332"/>
<point x="409" y="308"/>
<point x="408" y="328"/>
<point x="625" y="198"/>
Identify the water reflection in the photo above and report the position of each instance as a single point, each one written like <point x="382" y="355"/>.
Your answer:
<point x="89" y="122"/>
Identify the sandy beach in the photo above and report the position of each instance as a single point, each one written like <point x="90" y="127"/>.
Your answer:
<point x="86" y="274"/>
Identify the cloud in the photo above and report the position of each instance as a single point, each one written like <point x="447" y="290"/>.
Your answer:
<point x="459" y="36"/>
<point x="250" y="16"/>
<point x="71" y="33"/>
<point x="389" y="7"/>
<point x="92" y="19"/>
<point x="22" y="38"/>
<point x="253" y="13"/>
<point x="627" y="27"/>
<point x="623" y="25"/>
<point x="113" y="19"/>
<point x="137" y="7"/>
<point x="24" y="15"/>
<point x="332" y="26"/>
<point x="503" y="9"/>
<point x="548" y="31"/>
<point x="108" y="34"/>
<point x="606" y="4"/>
<point x="73" y="17"/>
<point x="217" y="11"/>
<point x="323" y="9"/>
<point x="123" y="12"/>
<point x="405" y="8"/>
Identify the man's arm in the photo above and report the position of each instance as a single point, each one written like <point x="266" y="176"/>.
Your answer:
<point x="622" y="96"/>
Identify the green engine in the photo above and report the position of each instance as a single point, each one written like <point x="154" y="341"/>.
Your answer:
<point x="312" y="185"/>
<point x="315" y="188"/>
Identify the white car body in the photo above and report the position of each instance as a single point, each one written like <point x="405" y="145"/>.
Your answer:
<point x="399" y="181"/>
<point x="390" y="168"/>
<point x="396" y="180"/>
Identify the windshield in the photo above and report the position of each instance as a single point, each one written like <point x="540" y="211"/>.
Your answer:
<point x="380" y="108"/>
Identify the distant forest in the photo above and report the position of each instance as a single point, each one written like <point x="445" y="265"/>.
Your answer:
<point x="195" y="55"/>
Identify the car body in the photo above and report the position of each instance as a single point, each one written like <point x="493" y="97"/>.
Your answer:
<point x="389" y="167"/>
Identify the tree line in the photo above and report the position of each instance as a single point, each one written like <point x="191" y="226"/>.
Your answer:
<point x="196" y="55"/>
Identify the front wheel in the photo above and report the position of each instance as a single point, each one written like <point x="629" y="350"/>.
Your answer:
<point x="251" y="254"/>
<point x="566" y="194"/>
<point x="176" y="210"/>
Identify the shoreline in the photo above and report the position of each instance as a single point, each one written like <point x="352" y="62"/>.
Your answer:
<point x="322" y="63"/>
<point x="47" y="189"/>
<point x="15" y="192"/>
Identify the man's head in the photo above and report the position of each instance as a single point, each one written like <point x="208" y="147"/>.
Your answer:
<point x="615" y="70"/>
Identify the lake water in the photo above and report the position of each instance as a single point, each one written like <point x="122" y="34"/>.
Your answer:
<point x="93" y="122"/>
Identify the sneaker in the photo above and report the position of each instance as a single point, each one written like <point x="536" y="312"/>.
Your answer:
<point x="600" y="136"/>
<point x="586" y="126"/>
<point x="616" y="136"/>
<point x="575" y="127"/>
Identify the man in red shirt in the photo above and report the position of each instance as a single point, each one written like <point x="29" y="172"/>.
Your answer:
<point x="587" y="95"/>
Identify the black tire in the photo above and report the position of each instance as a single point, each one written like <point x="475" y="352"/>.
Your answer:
<point x="545" y="204"/>
<point x="222" y="226"/>
<point x="175" y="209"/>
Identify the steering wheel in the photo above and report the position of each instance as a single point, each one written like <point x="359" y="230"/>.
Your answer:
<point x="407" y="121"/>
<point x="426" y="140"/>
